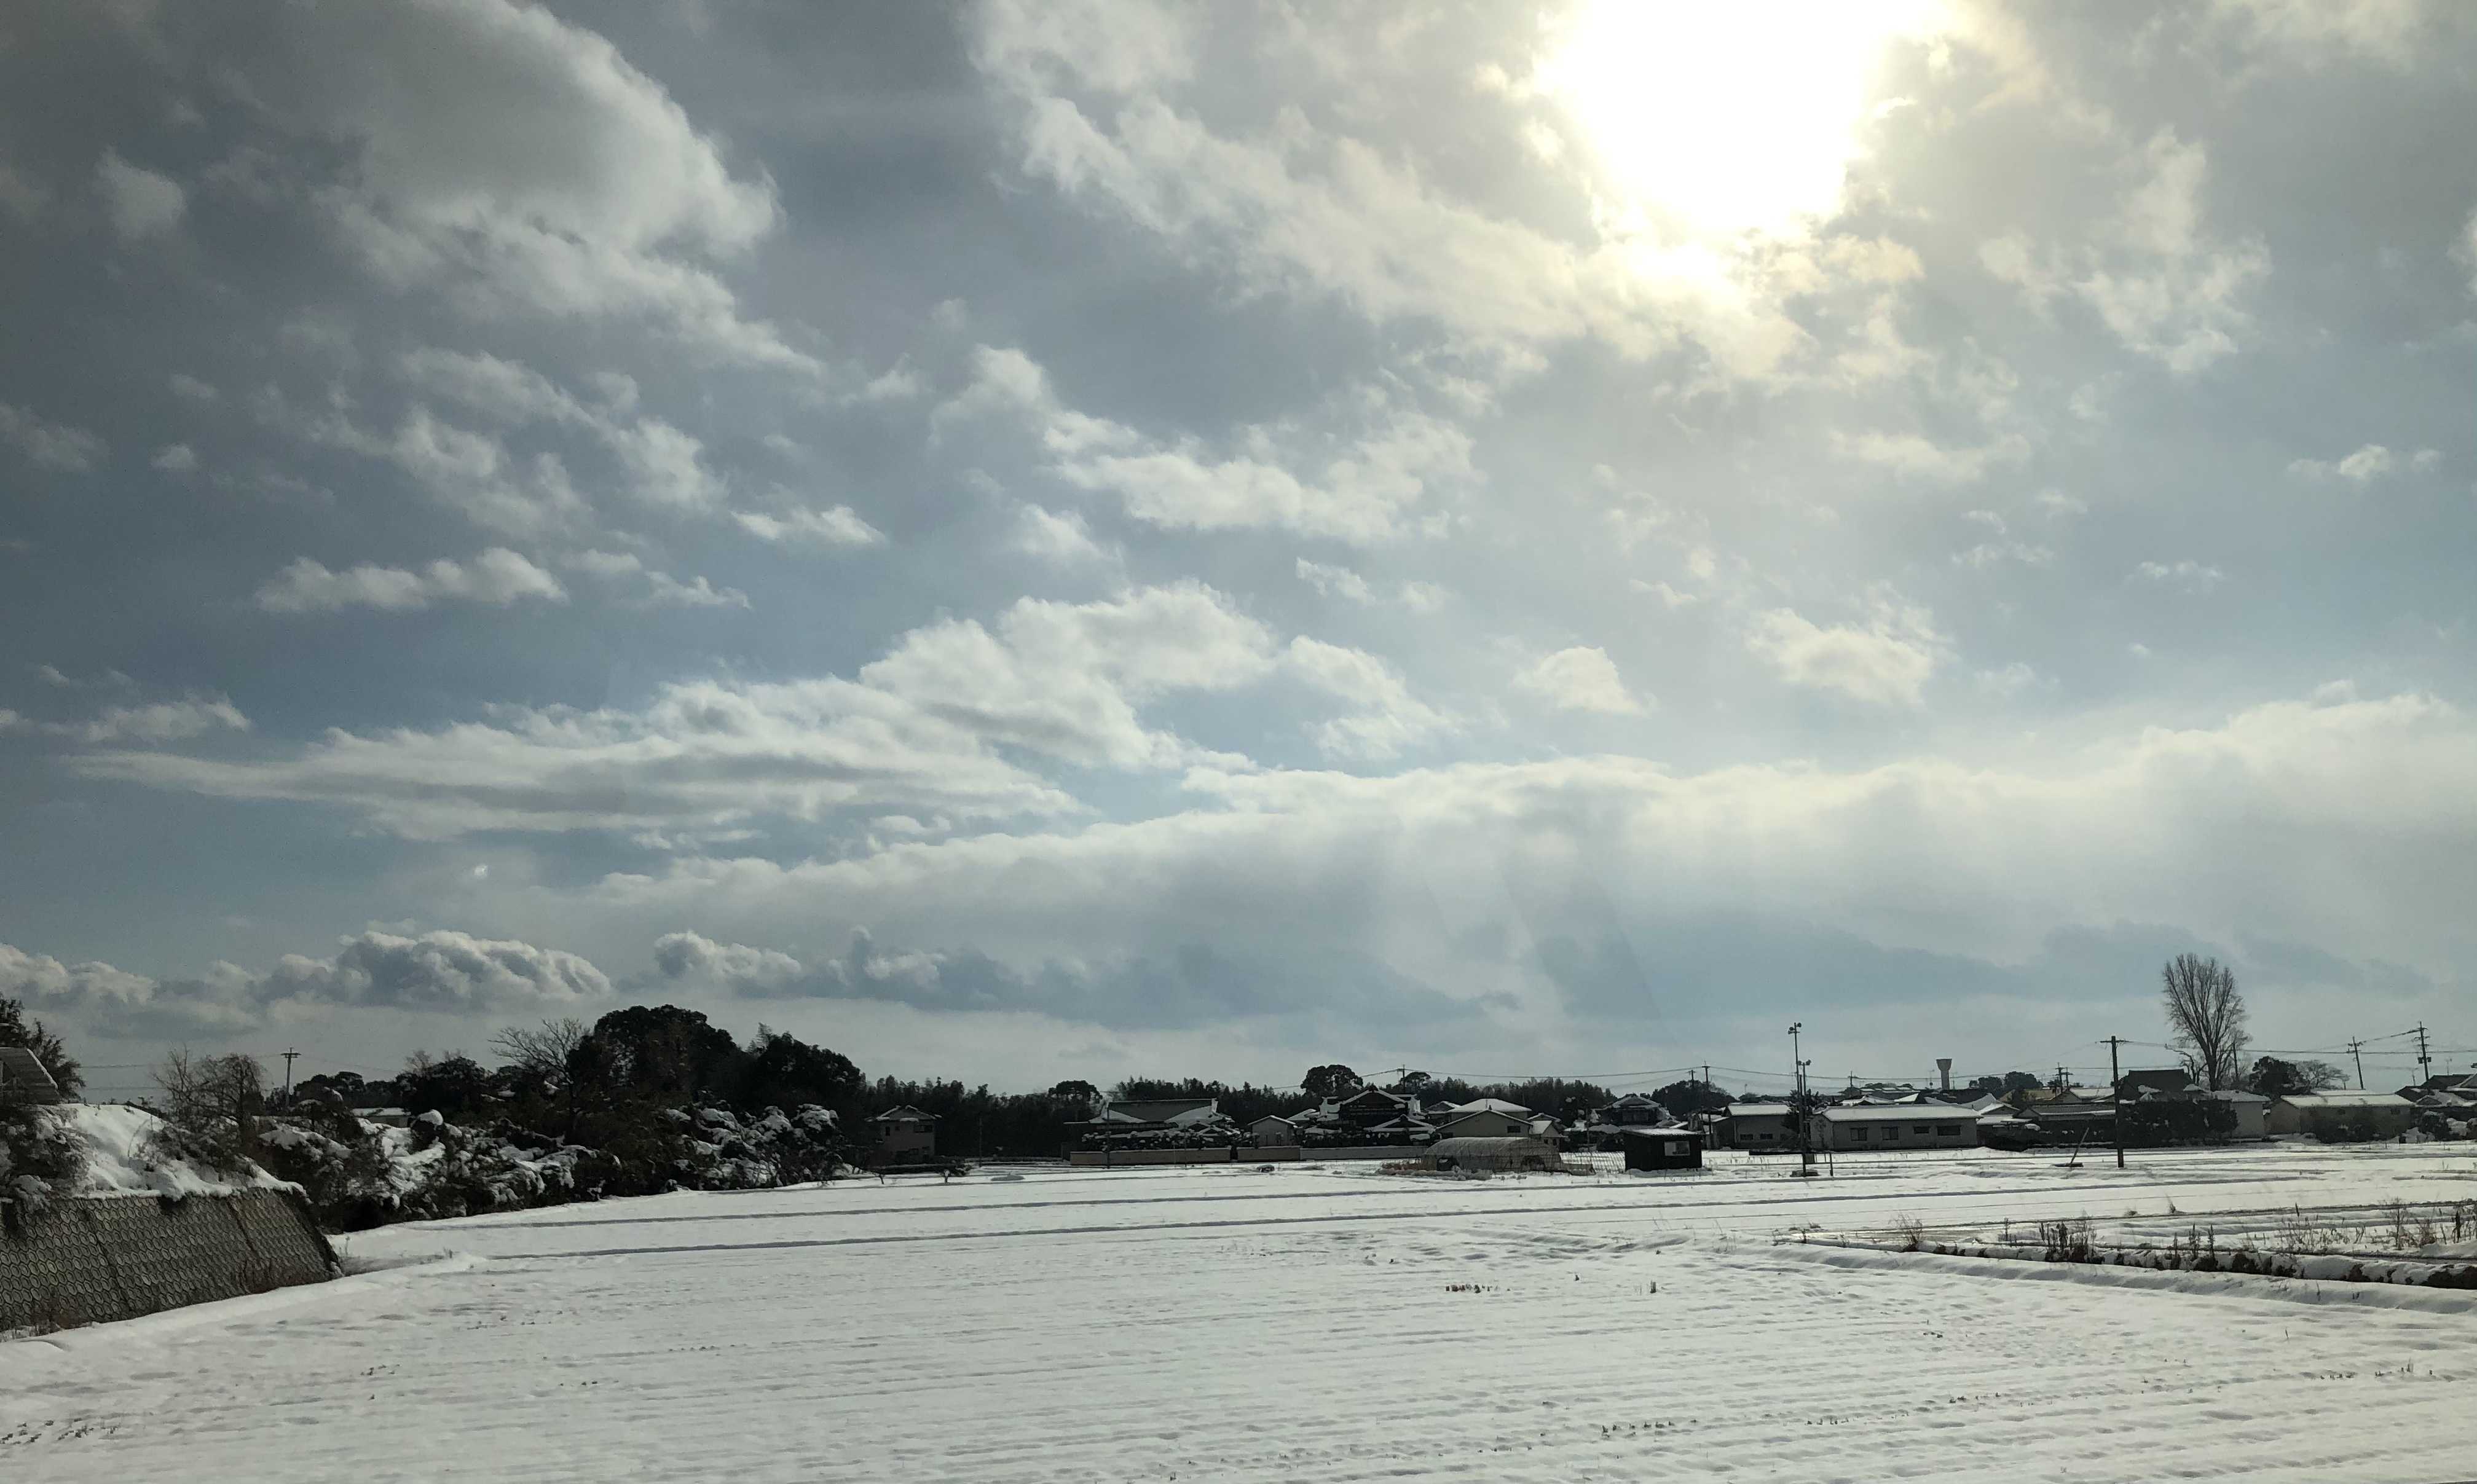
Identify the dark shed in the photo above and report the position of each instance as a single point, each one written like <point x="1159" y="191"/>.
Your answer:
<point x="1664" y="1149"/>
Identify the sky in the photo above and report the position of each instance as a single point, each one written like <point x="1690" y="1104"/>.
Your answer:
<point x="1039" y="541"/>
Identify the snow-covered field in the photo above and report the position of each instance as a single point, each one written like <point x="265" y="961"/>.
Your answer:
<point x="1306" y="1323"/>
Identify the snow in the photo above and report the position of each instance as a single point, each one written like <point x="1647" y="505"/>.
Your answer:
<point x="119" y="1161"/>
<point x="1232" y="1323"/>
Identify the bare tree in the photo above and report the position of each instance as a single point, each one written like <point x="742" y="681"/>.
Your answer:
<point x="214" y="1098"/>
<point x="2206" y="1018"/>
<point x="542" y="1052"/>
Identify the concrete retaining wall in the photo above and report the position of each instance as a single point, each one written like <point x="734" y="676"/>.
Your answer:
<point x="1270" y="1154"/>
<point x="92" y="1259"/>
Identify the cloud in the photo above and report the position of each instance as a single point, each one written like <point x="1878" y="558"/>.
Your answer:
<point x="1586" y="894"/>
<point x="448" y="972"/>
<point x="1339" y="582"/>
<point x="176" y="458"/>
<point x="616" y="207"/>
<point x="49" y="445"/>
<point x="2155" y="277"/>
<point x="2371" y="462"/>
<point x="1055" y="535"/>
<point x="1362" y="493"/>
<point x="834" y="529"/>
<point x="1384" y="718"/>
<point x="1580" y="680"/>
<point x="1913" y="457"/>
<point x="497" y="577"/>
<point x="930" y="724"/>
<point x="2194" y="576"/>
<point x="140" y="201"/>
<point x="161" y="721"/>
<point x="1885" y="662"/>
<point x="2387" y="32"/>
<point x="660" y="590"/>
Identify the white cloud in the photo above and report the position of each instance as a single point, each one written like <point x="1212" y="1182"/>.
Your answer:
<point x="1384" y="718"/>
<point x="1580" y="680"/>
<point x="689" y="955"/>
<point x="140" y="201"/>
<point x="497" y="575"/>
<point x="615" y="205"/>
<point x="154" y="721"/>
<point x="176" y="458"/>
<point x="2196" y="576"/>
<point x="2389" y="32"/>
<point x="1055" y="535"/>
<point x="450" y="972"/>
<point x="932" y="723"/>
<point x="2159" y="281"/>
<point x="660" y="465"/>
<point x="49" y="445"/>
<point x="1887" y="660"/>
<point x="1363" y="492"/>
<point x="1334" y="581"/>
<point x="2369" y="462"/>
<point x="1913" y="457"/>
<point x="188" y="389"/>
<point x="836" y="529"/>
<point x="661" y="590"/>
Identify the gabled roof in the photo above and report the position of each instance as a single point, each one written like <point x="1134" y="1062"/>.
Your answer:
<point x="1398" y="1100"/>
<point x="1272" y="1117"/>
<point x="1158" y="1110"/>
<point x="1635" y="1100"/>
<point x="1757" y="1110"/>
<point x="1465" y="1114"/>
<point x="1492" y="1106"/>
<point x="2345" y="1098"/>
<point x="22" y="1073"/>
<point x="1673" y="1131"/>
<point x="903" y="1112"/>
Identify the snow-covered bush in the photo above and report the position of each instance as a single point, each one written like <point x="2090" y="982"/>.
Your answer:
<point x="40" y="1156"/>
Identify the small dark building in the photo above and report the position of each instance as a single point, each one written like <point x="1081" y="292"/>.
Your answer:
<point x="1664" y="1149"/>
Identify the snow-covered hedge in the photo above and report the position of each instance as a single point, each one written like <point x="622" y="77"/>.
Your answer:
<point x="360" y="1174"/>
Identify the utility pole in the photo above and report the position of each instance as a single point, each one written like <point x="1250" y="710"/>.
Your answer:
<point x="2116" y="1098"/>
<point x="1797" y="1103"/>
<point x="2424" y="1062"/>
<point x="2356" y="1049"/>
<point x="289" y="1056"/>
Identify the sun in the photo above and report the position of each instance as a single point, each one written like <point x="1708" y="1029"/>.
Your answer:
<point x="1720" y="117"/>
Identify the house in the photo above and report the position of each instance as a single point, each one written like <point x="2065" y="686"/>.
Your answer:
<point x="906" y="1132"/>
<point x="1167" y="1112"/>
<point x="2161" y="1082"/>
<point x="1849" y="1127"/>
<point x="2252" y="1113"/>
<point x="24" y="1079"/>
<point x="1634" y="1110"/>
<point x="1664" y="1149"/>
<point x="1764" y="1128"/>
<point x="1371" y="1106"/>
<point x="1476" y="1122"/>
<point x="2340" y="1115"/>
<point x="1274" y="1131"/>
<point x="1491" y="1155"/>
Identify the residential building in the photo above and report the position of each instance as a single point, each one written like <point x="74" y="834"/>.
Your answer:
<point x="1273" y="1130"/>
<point x="2157" y="1082"/>
<point x="1475" y="1122"/>
<point x="1852" y="1126"/>
<point x="2342" y="1115"/>
<point x="1762" y="1127"/>
<point x="1167" y="1112"/>
<point x="905" y="1132"/>
<point x="1634" y="1110"/>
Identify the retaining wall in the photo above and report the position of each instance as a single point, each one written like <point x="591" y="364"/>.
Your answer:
<point x="90" y="1258"/>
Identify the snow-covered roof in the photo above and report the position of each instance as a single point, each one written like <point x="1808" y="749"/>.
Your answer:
<point x="1488" y="1106"/>
<point x="1898" y="1113"/>
<point x="905" y="1113"/>
<point x="1161" y="1110"/>
<point x="1674" y="1132"/>
<point x="1634" y="1099"/>
<point x="2236" y="1094"/>
<point x="1757" y="1110"/>
<point x="2345" y="1098"/>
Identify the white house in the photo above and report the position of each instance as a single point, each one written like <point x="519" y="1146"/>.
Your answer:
<point x="1900" y="1125"/>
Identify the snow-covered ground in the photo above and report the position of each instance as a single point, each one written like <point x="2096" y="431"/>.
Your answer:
<point x="1303" y="1324"/>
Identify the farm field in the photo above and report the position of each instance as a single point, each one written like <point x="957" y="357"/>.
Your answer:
<point x="1314" y="1322"/>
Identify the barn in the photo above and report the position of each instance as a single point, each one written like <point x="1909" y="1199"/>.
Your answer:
<point x="1664" y="1149"/>
<point x="1478" y="1153"/>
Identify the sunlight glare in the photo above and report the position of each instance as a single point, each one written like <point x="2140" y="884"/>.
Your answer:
<point x="1723" y="117"/>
